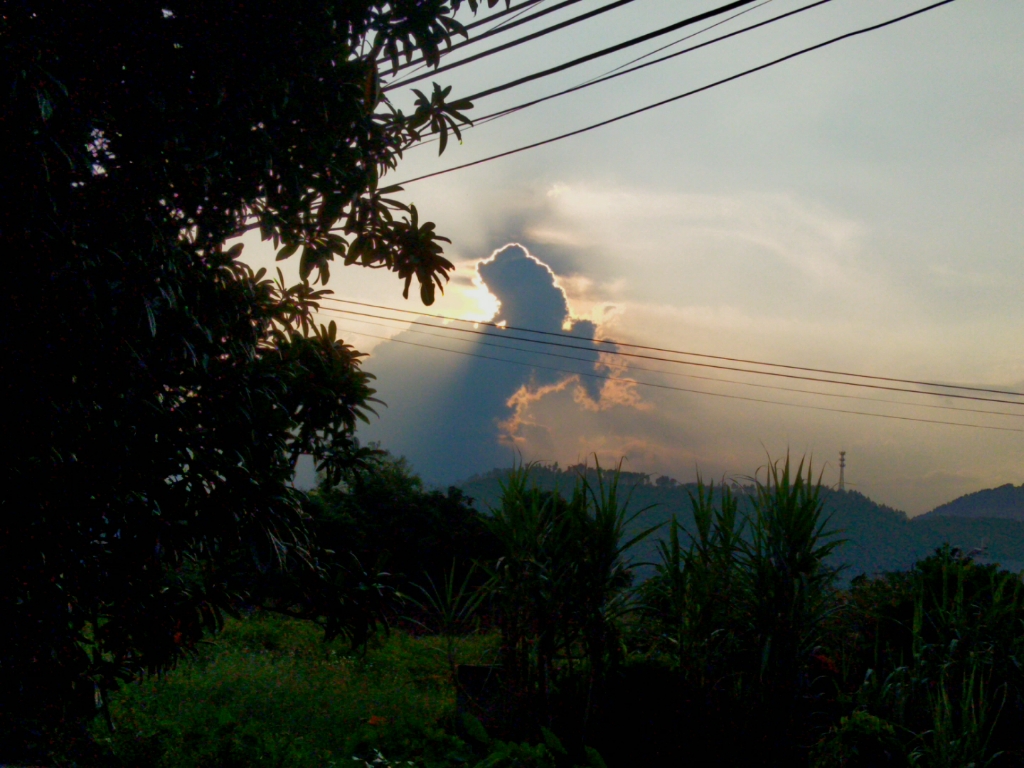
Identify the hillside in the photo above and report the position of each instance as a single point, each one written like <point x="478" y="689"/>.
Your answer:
<point x="1006" y="502"/>
<point x="876" y="537"/>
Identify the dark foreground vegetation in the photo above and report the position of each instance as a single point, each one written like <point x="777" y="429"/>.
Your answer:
<point x="521" y="638"/>
<point x="159" y="390"/>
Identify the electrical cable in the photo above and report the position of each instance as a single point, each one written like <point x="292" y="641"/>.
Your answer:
<point x="647" y="348"/>
<point x="694" y="391"/>
<point x="456" y="46"/>
<point x="513" y="43"/>
<point x="633" y="367"/>
<point x="614" y="74"/>
<point x="508" y="24"/>
<point x="663" y="102"/>
<point x="384" y="59"/>
<point x="518" y="7"/>
<point x="683" y="39"/>
<point x="607" y="51"/>
<point x="503" y="27"/>
<point x="581" y="60"/>
<point x="713" y="366"/>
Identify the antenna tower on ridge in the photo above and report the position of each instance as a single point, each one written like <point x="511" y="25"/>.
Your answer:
<point x="842" y="470"/>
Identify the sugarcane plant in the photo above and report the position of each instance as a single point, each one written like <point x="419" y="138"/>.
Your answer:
<point x="561" y="586"/>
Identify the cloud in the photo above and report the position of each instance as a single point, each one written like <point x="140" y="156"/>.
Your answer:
<point x="529" y="296"/>
<point x="458" y="405"/>
<point x="614" y="393"/>
<point x="745" y="274"/>
<point x="514" y="427"/>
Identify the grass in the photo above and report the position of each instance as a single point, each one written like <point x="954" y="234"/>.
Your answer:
<point x="267" y="691"/>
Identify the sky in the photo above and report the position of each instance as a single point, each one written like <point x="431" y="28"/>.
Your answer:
<point x="859" y="208"/>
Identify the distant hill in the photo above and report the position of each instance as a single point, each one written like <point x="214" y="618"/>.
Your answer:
<point x="1006" y="502"/>
<point x="877" y="538"/>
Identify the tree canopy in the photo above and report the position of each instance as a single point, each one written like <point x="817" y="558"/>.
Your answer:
<point x="158" y="391"/>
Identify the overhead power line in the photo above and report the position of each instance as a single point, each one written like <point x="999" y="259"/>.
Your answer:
<point x="693" y="92"/>
<point x="622" y="72"/>
<point x="602" y="377"/>
<point x="708" y="28"/>
<point x="633" y="367"/>
<point x="609" y="50"/>
<point x="513" y="43"/>
<point x="705" y="356"/>
<point x="615" y="73"/>
<point x="518" y="7"/>
<point x="714" y="366"/>
<point x="508" y="24"/>
<point x="503" y="27"/>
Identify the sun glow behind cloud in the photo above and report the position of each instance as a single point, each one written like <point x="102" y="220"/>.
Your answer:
<point x="478" y="417"/>
<point x="702" y="272"/>
<point x="765" y="276"/>
<point x="854" y="210"/>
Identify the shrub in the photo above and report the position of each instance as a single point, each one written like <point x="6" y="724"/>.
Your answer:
<point x="269" y="691"/>
<point x="382" y="514"/>
<point x="861" y="741"/>
<point x="689" y="605"/>
<point x="560" y="587"/>
<point x="937" y="651"/>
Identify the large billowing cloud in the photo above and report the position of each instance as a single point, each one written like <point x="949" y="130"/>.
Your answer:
<point x="453" y="415"/>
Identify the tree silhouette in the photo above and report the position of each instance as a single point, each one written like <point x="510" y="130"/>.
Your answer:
<point x="157" y="392"/>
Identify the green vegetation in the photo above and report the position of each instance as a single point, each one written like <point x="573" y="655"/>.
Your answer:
<point x="159" y="393"/>
<point x="159" y="389"/>
<point x="560" y="590"/>
<point x="268" y="690"/>
<point x="382" y="514"/>
<point x="741" y="644"/>
<point x="936" y="651"/>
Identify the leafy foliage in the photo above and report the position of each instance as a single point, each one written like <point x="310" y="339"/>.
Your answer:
<point x="936" y="652"/>
<point x="788" y="589"/>
<point x="741" y="610"/>
<point x="692" y="596"/>
<point x="916" y="668"/>
<point x="381" y="513"/>
<point x="759" y="584"/>
<point x="450" y="611"/>
<point x="876" y="538"/>
<point x="160" y="390"/>
<point x="861" y="740"/>
<point x="269" y="690"/>
<point x="560" y="587"/>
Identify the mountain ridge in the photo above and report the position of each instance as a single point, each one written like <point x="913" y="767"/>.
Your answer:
<point x="1004" y="502"/>
<point x="876" y="538"/>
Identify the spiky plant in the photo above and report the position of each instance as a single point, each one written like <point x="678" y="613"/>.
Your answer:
<point x="690" y="600"/>
<point x="561" y="585"/>
<point x="449" y="609"/>
<point x="789" y="587"/>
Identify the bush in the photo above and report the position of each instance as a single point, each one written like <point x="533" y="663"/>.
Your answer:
<point x="560" y="588"/>
<point x="269" y="691"/>
<point x="689" y="606"/>
<point x="382" y="514"/>
<point x="861" y="741"/>
<point x="937" y="652"/>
